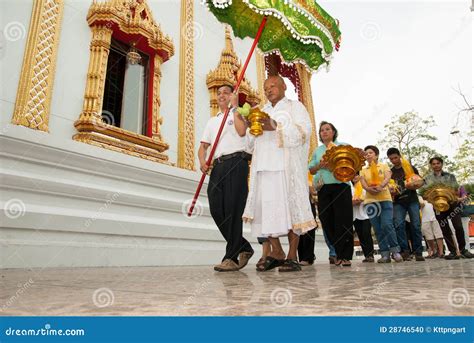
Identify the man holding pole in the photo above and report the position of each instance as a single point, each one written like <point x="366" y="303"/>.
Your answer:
<point x="227" y="189"/>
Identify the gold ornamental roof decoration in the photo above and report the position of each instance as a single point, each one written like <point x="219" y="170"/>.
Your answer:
<point x="227" y="70"/>
<point x="344" y="161"/>
<point x="132" y="17"/>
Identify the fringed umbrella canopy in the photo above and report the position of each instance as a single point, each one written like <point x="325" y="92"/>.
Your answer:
<point x="299" y="31"/>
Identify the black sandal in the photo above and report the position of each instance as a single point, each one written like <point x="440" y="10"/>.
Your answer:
<point x="270" y="263"/>
<point x="260" y="263"/>
<point x="290" y="266"/>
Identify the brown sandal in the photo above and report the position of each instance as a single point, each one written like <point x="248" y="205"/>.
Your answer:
<point x="346" y="263"/>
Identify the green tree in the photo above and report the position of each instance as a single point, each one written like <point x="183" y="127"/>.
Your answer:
<point x="464" y="158"/>
<point x="421" y="157"/>
<point x="409" y="132"/>
<point x="464" y="161"/>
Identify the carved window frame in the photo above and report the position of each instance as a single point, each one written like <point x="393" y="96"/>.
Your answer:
<point x="127" y="21"/>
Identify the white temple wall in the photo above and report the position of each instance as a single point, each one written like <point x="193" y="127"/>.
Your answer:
<point x="167" y="14"/>
<point x="67" y="203"/>
<point x="71" y="70"/>
<point x="14" y="23"/>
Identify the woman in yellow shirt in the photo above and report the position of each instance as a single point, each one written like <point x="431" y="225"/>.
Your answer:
<point x="378" y="204"/>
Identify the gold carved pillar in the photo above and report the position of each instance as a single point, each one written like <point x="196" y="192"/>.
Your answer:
<point x="94" y="93"/>
<point x="213" y="102"/>
<point x="261" y="75"/>
<point x="186" y="87"/>
<point x="35" y="87"/>
<point x="305" y="79"/>
<point x="157" y="118"/>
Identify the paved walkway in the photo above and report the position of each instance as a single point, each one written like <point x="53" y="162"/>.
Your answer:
<point x="436" y="287"/>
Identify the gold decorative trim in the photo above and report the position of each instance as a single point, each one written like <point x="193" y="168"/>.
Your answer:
<point x="300" y="226"/>
<point x="279" y="132"/>
<point x="247" y="219"/>
<point x="157" y="119"/>
<point x="132" y="17"/>
<point x="118" y="133"/>
<point x="94" y="93"/>
<point x="33" y="99"/>
<point x="226" y="74"/>
<point x="186" y="88"/>
<point x="307" y="97"/>
<point x="261" y="74"/>
<point x="302" y="133"/>
<point x="120" y="145"/>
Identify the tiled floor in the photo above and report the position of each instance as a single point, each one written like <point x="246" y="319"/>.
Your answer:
<point x="411" y="288"/>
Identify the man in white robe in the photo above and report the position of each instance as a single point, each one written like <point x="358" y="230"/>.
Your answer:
<point x="278" y="201"/>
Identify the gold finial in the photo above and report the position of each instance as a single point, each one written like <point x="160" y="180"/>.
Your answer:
<point x="228" y="39"/>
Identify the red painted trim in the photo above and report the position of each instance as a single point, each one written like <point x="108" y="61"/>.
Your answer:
<point x="141" y="42"/>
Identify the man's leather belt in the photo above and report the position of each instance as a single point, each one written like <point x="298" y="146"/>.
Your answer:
<point x="242" y="154"/>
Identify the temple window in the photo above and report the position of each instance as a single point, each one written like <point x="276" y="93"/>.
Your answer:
<point x="126" y="81"/>
<point x="121" y="110"/>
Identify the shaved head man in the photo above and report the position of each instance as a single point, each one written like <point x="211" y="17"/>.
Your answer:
<point x="278" y="202"/>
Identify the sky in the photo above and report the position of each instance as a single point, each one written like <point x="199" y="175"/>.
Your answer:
<point x="395" y="57"/>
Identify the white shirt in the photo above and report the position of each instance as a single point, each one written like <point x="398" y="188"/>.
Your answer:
<point x="270" y="156"/>
<point x="358" y="210"/>
<point x="427" y="212"/>
<point x="229" y="142"/>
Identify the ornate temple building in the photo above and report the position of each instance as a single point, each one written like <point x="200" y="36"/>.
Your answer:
<point x="103" y="104"/>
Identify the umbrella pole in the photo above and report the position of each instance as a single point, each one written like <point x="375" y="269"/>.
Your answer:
<point x="224" y="120"/>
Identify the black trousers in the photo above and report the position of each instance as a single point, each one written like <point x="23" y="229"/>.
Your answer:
<point x="335" y="213"/>
<point x="306" y="246"/>
<point x="227" y="192"/>
<point x="454" y="213"/>
<point x="306" y="243"/>
<point x="364" y="232"/>
<point x="408" y="233"/>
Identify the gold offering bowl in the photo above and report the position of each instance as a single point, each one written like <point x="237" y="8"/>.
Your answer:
<point x="255" y="117"/>
<point x="344" y="161"/>
<point x="441" y="197"/>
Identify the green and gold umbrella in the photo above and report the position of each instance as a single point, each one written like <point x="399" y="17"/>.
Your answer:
<point x="299" y="31"/>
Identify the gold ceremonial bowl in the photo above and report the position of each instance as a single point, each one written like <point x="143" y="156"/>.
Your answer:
<point x="441" y="197"/>
<point x="255" y="118"/>
<point x="344" y="161"/>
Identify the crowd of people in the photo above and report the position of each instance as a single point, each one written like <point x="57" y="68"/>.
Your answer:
<point x="274" y="197"/>
<point x="400" y="217"/>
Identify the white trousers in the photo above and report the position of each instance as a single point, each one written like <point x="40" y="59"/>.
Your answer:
<point x="272" y="213"/>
